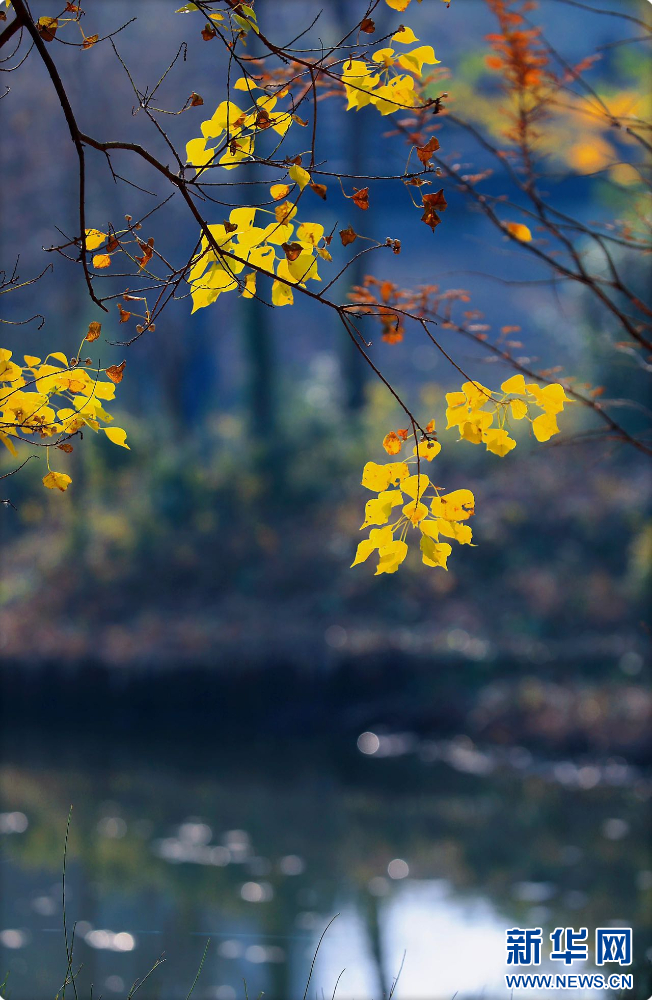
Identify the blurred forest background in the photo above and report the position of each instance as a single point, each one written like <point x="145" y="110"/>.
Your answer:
<point x="187" y="657"/>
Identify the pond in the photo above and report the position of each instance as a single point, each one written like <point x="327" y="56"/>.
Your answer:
<point x="427" y="850"/>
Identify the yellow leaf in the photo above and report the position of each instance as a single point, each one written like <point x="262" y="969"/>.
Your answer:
<point x="245" y="83"/>
<point x="515" y="384"/>
<point x="518" y="408"/>
<point x="299" y="176"/>
<point x="476" y="394"/>
<point x="405" y="36"/>
<point x="427" y="450"/>
<point x="31" y="361"/>
<point x="551" y="398"/>
<point x="545" y="426"/>
<point x="414" y="60"/>
<point x="498" y="441"/>
<point x="399" y="5"/>
<point x="57" y="481"/>
<point x="430" y="528"/>
<point x="282" y="294"/>
<point x="94" y="238"/>
<point x="284" y="212"/>
<point x="101" y="260"/>
<point x="391" y="557"/>
<point x="250" y="286"/>
<point x="519" y="231"/>
<point x="378" y="477"/>
<point x="415" y="486"/>
<point x="415" y="511"/>
<point x="279" y="191"/>
<point x="462" y="533"/>
<point x="433" y="553"/>
<point x="378" y="537"/>
<point x="364" y="550"/>
<point x="456" y="506"/>
<point x="376" y="511"/>
<point x="9" y="445"/>
<point x="117" y="436"/>
<point x="59" y="356"/>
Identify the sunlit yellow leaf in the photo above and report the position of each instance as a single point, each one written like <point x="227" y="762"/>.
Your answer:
<point x="462" y="533"/>
<point x="94" y="238"/>
<point x="515" y="384"/>
<point x="434" y="553"/>
<point x="117" y="436"/>
<point x="282" y="294"/>
<point x="57" y="481"/>
<point x="545" y="426"/>
<point x="405" y="36"/>
<point x="518" y="408"/>
<point x="391" y="556"/>
<point x="279" y="191"/>
<point x="415" y="511"/>
<point x="519" y="231"/>
<point x="415" y="486"/>
<point x="498" y="441"/>
<point x="299" y="176"/>
<point x="456" y="506"/>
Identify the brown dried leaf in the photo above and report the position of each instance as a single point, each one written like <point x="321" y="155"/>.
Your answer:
<point x="361" y="197"/>
<point x="125" y="316"/>
<point x="116" y="372"/>
<point x="425" y="152"/>
<point x="94" y="330"/>
<point x="319" y="189"/>
<point x="65" y="447"/>
<point x="89" y="41"/>
<point x="208" y="33"/>
<point x="348" y="236"/>
<point x="368" y="25"/>
<point x="230" y="227"/>
<point x="47" y="28"/>
<point x="431" y="204"/>
<point x="195" y="100"/>
<point x="292" y="250"/>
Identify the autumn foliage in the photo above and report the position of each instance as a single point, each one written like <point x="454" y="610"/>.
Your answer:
<point x="266" y="115"/>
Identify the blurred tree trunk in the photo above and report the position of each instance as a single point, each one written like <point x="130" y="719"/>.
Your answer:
<point x="354" y="366"/>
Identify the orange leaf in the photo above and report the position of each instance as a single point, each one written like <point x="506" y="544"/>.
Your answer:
<point x="392" y="443"/>
<point x="116" y="372"/>
<point x="433" y="204"/>
<point x="519" y="231"/>
<point x="125" y="316"/>
<point x="94" y="330"/>
<point x="89" y="41"/>
<point x="361" y="197"/>
<point x="425" y="152"/>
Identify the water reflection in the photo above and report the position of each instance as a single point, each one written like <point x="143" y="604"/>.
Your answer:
<point x="431" y="848"/>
